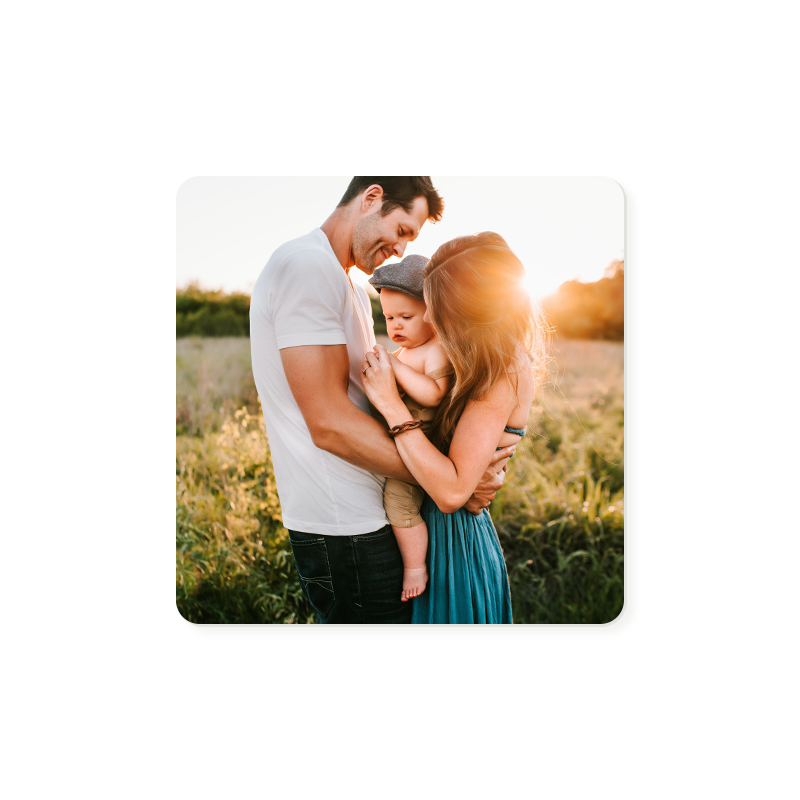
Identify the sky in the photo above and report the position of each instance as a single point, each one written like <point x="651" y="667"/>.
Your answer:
<point x="560" y="228"/>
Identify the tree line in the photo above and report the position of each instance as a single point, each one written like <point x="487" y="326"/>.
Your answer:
<point x="205" y="312"/>
<point x="590" y="310"/>
<point x="576" y="311"/>
<point x="201" y="312"/>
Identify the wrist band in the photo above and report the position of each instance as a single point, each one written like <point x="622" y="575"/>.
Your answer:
<point x="406" y="426"/>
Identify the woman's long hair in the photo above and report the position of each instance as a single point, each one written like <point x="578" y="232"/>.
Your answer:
<point x="482" y="313"/>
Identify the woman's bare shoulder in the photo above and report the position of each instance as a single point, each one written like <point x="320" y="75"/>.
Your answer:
<point x="521" y="365"/>
<point x="521" y="370"/>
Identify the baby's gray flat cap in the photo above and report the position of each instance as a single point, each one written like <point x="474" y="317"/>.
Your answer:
<point x="402" y="276"/>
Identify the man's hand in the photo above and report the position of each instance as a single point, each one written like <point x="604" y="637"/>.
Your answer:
<point x="490" y="483"/>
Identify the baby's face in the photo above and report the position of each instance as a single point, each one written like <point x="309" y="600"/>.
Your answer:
<point x="404" y="319"/>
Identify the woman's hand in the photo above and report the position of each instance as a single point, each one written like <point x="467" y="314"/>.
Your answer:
<point x="491" y="481"/>
<point x="377" y="376"/>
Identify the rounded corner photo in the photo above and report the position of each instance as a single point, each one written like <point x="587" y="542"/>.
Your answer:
<point x="400" y="400"/>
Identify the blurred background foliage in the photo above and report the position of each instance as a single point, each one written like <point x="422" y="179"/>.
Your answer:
<point x="590" y="310"/>
<point x="202" y="312"/>
<point x="576" y="311"/>
<point x="379" y="321"/>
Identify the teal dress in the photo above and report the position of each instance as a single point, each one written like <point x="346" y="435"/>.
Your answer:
<point x="467" y="578"/>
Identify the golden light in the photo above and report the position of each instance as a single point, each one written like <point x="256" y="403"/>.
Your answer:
<point x="536" y="287"/>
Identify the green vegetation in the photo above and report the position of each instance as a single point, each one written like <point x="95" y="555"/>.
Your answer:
<point x="199" y="312"/>
<point x="234" y="560"/>
<point x="590" y="310"/>
<point x="379" y="321"/>
<point x="576" y="311"/>
<point x="560" y="515"/>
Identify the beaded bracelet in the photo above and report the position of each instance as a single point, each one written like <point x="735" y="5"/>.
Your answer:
<point x="406" y="426"/>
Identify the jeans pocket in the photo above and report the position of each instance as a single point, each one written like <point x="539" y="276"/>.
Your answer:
<point x="380" y="575"/>
<point x="314" y="569"/>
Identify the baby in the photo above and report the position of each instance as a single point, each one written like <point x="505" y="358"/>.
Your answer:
<point x="423" y="376"/>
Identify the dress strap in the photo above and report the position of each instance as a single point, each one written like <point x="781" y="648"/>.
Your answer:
<point x="442" y="372"/>
<point x="518" y="431"/>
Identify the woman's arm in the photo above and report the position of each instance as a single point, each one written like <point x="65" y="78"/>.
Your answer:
<point x="448" y="481"/>
<point x="426" y="391"/>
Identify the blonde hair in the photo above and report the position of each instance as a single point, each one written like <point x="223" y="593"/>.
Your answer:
<point x="482" y="313"/>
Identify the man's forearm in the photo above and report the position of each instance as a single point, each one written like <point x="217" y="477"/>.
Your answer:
<point x="361" y="440"/>
<point x="318" y="379"/>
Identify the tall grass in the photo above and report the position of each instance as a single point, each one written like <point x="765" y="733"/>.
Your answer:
<point x="560" y="514"/>
<point x="234" y="561"/>
<point x="214" y="379"/>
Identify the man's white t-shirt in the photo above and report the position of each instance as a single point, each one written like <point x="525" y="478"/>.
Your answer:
<point x="304" y="297"/>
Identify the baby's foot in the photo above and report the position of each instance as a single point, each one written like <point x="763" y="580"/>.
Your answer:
<point x="414" y="583"/>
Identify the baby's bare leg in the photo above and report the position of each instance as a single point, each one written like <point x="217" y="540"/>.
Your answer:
<point x="413" y="543"/>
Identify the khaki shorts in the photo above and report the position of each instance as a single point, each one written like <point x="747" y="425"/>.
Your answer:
<point x="402" y="502"/>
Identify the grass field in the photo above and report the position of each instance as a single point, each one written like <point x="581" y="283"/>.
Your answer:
<point x="559" y="516"/>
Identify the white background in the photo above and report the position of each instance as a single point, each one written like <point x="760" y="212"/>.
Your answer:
<point x="691" y="107"/>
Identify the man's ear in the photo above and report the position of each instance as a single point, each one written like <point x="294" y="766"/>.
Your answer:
<point x="372" y="198"/>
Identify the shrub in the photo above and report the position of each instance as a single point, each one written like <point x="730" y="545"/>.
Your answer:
<point x="590" y="310"/>
<point x="199" y="312"/>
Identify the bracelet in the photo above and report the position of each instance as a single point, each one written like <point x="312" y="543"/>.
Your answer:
<point x="406" y="426"/>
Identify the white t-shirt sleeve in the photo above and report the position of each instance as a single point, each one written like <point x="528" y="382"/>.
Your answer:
<point x="367" y="306"/>
<point x="307" y="302"/>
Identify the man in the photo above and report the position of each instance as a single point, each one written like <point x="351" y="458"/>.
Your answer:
<point x="310" y="327"/>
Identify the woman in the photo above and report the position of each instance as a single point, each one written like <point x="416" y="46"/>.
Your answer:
<point x="485" y="322"/>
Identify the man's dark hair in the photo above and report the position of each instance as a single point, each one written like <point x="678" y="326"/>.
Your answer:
<point x="399" y="192"/>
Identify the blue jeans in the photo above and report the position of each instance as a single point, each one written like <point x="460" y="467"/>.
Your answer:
<point x="352" y="579"/>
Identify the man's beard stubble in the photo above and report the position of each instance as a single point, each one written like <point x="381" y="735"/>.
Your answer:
<point x="366" y="237"/>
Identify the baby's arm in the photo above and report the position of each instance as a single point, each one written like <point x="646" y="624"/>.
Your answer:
<point x="424" y="390"/>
